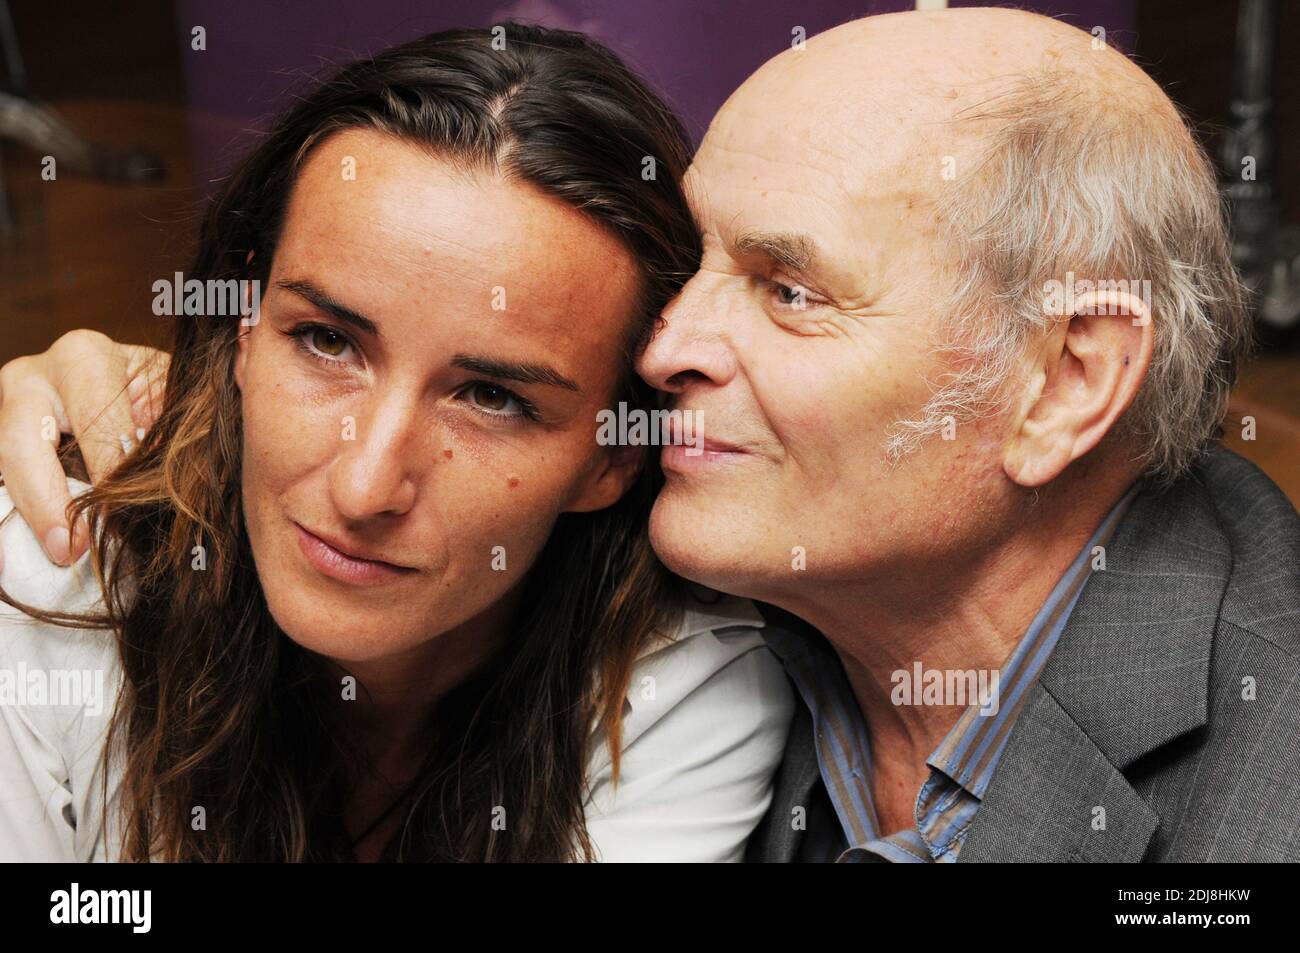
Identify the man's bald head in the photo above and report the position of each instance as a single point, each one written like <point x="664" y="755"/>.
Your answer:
<point x="1022" y="150"/>
<point x="900" y="83"/>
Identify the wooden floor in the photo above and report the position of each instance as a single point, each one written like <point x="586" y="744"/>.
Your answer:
<point x="86" y="255"/>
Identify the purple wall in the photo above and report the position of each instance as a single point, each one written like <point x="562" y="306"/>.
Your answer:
<point x="695" y="53"/>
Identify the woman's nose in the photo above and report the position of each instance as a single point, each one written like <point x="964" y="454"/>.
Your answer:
<point x="374" y="473"/>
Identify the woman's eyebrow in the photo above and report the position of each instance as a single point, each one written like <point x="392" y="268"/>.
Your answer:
<point x="524" y="373"/>
<point x="327" y="303"/>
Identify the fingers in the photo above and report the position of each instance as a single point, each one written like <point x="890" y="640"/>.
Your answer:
<point x="78" y="386"/>
<point x="146" y="407"/>
<point x="29" y="435"/>
<point x="142" y="417"/>
<point x="90" y="375"/>
<point x="146" y="362"/>
<point x="149" y="370"/>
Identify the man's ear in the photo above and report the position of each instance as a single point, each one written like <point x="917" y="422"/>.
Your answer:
<point x="1083" y="378"/>
<point x="612" y="475"/>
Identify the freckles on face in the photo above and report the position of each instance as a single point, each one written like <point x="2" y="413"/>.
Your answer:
<point x="390" y="406"/>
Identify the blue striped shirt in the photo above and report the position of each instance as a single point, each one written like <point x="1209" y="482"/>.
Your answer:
<point x="961" y="767"/>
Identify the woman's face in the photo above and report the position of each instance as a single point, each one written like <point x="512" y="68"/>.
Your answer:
<point x="421" y="389"/>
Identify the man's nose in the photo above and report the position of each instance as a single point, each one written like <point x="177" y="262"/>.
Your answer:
<point x="375" y="473"/>
<point x="691" y="343"/>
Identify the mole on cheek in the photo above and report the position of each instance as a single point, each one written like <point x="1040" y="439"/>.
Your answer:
<point x="447" y="453"/>
<point x="512" y="482"/>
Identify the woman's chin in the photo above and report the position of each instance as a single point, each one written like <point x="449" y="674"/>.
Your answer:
<point x="338" y="632"/>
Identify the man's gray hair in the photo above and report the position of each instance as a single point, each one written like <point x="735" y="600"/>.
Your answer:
<point x="1105" y="187"/>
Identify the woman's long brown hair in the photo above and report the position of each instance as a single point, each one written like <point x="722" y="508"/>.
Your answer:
<point x="218" y="708"/>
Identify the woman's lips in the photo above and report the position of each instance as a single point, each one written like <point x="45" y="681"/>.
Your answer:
<point x="337" y="565"/>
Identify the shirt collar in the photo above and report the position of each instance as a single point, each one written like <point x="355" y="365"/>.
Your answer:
<point x="969" y="752"/>
<point x="724" y="612"/>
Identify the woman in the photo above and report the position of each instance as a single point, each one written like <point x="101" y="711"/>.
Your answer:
<point x="377" y="591"/>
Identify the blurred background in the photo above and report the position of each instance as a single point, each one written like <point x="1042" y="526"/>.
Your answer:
<point x="144" y="122"/>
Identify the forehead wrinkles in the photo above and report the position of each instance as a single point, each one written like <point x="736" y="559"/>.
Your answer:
<point x="837" y="157"/>
<point x="851" y="229"/>
<point x="734" y="188"/>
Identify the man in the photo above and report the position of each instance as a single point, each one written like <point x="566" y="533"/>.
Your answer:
<point x="964" y="324"/>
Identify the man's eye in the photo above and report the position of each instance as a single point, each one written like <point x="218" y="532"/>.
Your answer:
<point x="791" y="296"/>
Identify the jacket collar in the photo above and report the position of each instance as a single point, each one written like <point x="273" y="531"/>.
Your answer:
<point x="1130" y="674"/>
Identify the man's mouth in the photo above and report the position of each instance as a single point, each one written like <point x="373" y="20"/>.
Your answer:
<point x="689" y="453"/>
<point x="346" y="565"/>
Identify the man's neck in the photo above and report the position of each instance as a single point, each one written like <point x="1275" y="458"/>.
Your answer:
<point x="957" y="612"/>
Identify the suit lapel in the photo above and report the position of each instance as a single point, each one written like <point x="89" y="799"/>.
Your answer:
<point x="1056" y="797"/>
<point x="1129" y="674"/>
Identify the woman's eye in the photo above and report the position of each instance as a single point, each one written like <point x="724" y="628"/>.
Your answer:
<point x="498" y="401"/>
<point x="320" y="342"/>
<point x="490" y="397"/>
<point x="327" y="341"/>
